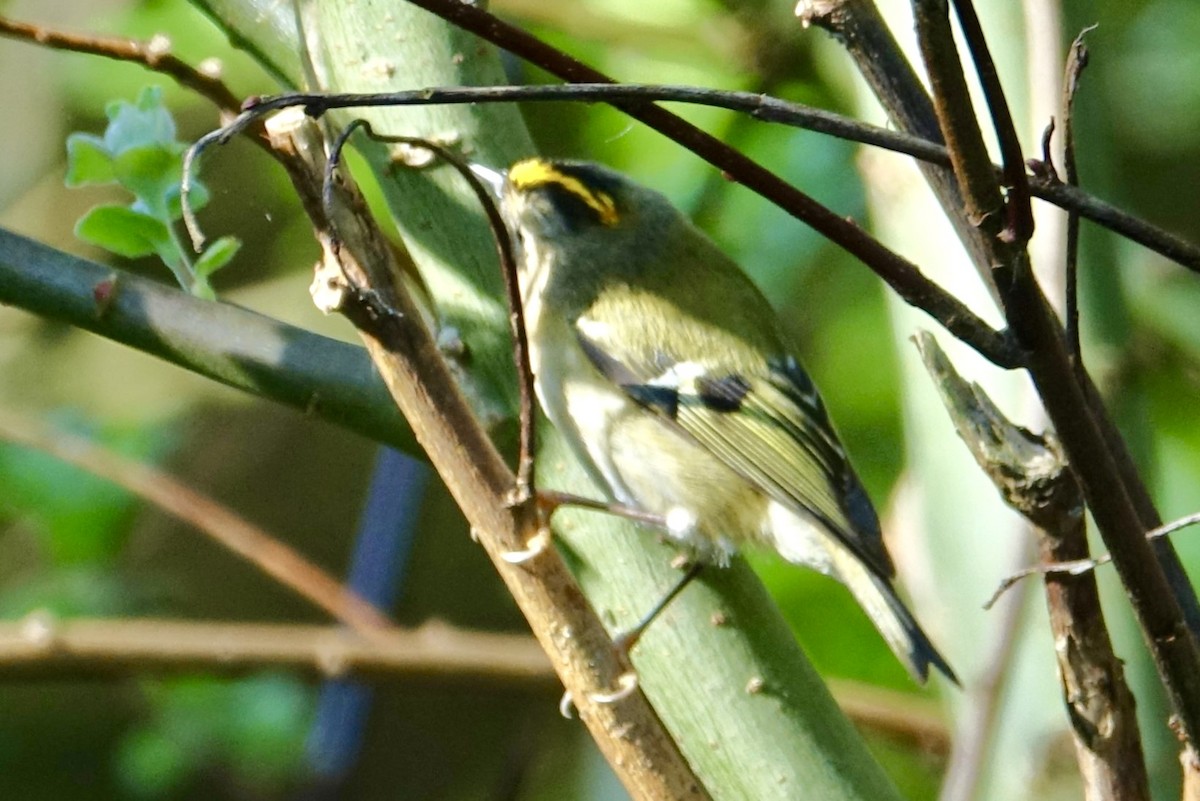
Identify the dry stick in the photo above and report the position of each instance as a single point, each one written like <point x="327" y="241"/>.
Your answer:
<point x="41" y="646"/>
<point x="627" y="730"/>
<point x="761" y="107"/>
<point x="1106" y="215"/>
<point x="1101" y="706"/>
<point x="1069" y="404"/>
<point x="154" y="54"/>
<point x="228" y="529"/>
<point x="1032" y="476"/>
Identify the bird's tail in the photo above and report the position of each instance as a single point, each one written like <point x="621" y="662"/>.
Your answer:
<point x="891" y="617"/>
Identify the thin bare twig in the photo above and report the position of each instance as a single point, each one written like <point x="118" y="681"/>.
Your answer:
<point x="154" y="54"/>
<point x="1076" y="567"/>
<point x="218" y="522"/>
<point x="757" y="105"/>
<point x="1077" y="61"/>
<point x="43" y="647"/>
<point x="526" y="416"/>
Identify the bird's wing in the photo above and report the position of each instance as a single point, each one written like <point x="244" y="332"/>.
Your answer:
<point x="765" y="421"/>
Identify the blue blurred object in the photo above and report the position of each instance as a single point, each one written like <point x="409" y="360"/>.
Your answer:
<point x="381" y="552"/>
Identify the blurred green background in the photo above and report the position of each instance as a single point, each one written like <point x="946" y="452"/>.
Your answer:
<point x="73" y="544"/>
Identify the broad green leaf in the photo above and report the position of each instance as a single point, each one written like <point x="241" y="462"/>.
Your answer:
<point x="123" y="231"/>
<point x="88" y="160"/>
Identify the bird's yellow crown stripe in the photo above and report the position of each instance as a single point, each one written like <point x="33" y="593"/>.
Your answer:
<point x="532" y="173"/>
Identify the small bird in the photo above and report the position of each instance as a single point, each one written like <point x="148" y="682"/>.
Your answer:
<point x="670" y="376"/>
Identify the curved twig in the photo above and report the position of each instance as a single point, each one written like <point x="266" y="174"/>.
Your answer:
<point x="527" y="436"/>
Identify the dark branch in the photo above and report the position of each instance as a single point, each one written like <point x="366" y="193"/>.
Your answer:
<point x="1114" y="493"/>
<point x="759" y="106"/>
<point x="1077" y="60"/>
<point x="1020" y="215"/>
<point x="902" y="275"/>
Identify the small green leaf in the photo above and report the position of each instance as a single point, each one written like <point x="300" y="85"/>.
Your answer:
<point x="123" y="231"/>
<point x="146" y="123"/>
<point x="216" y="256"/>
<point x="150" y="172"/>
<point x="88" y="160"/>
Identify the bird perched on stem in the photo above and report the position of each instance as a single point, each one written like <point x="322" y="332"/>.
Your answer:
<point x="670" y="376"/>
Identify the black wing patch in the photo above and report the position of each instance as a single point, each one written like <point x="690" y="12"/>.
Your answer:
<point x="724" y="394"/>
<point x="661" y="400"/>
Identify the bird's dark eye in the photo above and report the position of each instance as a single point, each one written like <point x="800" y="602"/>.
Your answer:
<point x="576" y="207"/>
